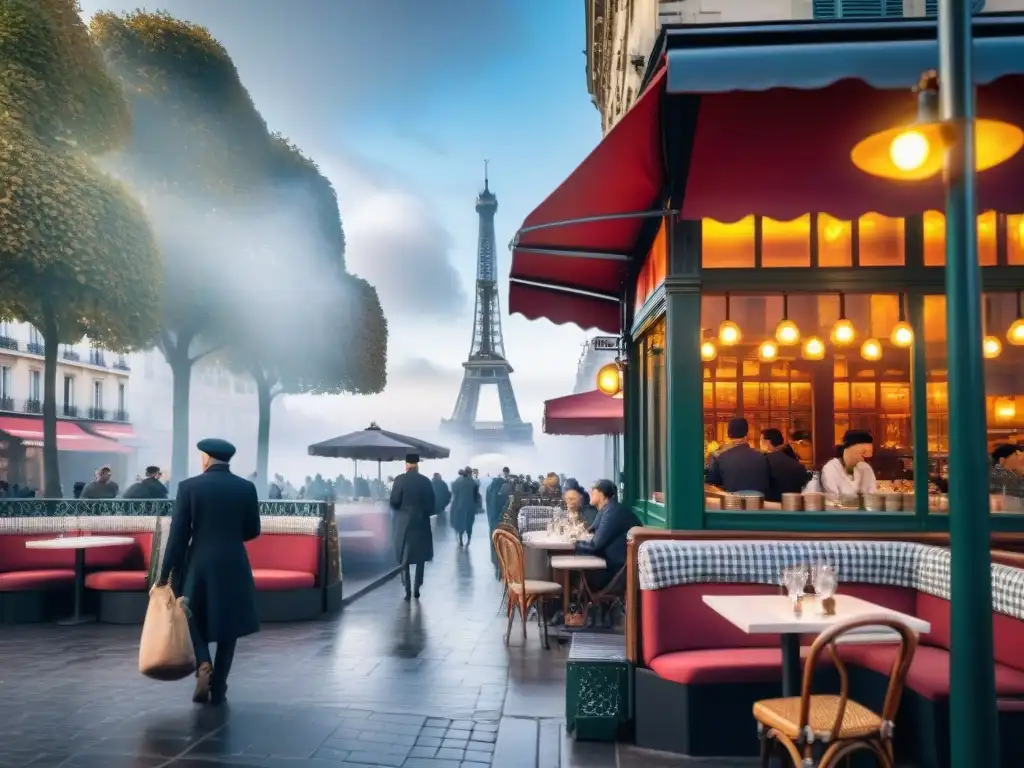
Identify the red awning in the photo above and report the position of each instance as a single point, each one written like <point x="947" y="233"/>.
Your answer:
<point x="122" y="433"/>
<point x="588" y="413"/>
<point x="70" y="436"/>
<point x="571" y="255"/>
<point x="784" y="152"/>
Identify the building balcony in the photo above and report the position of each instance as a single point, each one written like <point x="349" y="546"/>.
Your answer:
<point x="33" y="406"/>
<point x="6" y="403"/>
<point x="121" y="416"/>
<point x="98" y="414"/>
<point x="6" y="342"/>
<point x="70" y="411"/>
<point x="96" y="357"/>
<point x="70" y="354"/>
<point x="35" y="348"/>
<point x="122" y="364"/>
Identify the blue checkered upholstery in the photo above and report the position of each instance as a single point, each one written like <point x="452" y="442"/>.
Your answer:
<point x="536" y="518"/>
<point x="922" y="567"/>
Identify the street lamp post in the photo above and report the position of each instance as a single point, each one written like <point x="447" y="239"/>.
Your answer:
<point x="973" y="724"/>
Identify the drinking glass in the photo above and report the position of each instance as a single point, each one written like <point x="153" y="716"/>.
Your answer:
<point x="795" y="579"/>
<point x="826" y="581"/>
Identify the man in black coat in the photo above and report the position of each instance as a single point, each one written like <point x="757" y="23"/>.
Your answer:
<point x="215" y="513"/>
<point x="412" y="502"/>
<point x="613" y="523"/>
<point x="149" y="487"/>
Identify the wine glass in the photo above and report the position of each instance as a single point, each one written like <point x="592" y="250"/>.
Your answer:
<point x="826" y="581"/>
<point x="795" y="579"/>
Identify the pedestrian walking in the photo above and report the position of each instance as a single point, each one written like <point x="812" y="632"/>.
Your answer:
<point x="413" y="504"/>
<point x="215" y="513"/>
<point x="465" y="501"/>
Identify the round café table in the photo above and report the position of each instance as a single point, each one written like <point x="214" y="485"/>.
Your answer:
<point x="80" y="544"/>
<point x="566" y="564"/>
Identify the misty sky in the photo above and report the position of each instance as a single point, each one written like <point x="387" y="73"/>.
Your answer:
<point x="399" y="102"/>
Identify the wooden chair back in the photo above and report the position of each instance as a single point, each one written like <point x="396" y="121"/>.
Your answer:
<point x="897" y="676"/>
<point x="510" y="555"/>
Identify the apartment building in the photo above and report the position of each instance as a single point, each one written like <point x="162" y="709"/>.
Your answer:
<point x="622" y="33"/>
<point x="94" y="425"/>
<point x="604" y="451"/>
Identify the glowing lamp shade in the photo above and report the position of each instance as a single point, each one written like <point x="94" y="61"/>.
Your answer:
<point x="814" y="348"/>
<point x="768" y="352"/>
<point x="787" y="333"/>
<point x="902" y="334"/>
<point x="917" y="152"/>
<point x="871" y="349"/>
<point x="843" y="333"/>
<point x="1016" y="333"/>
<point x="609" y="379"/>
<point x="708" y="351"/>
<point x="991" y="347"/>
<point x="1005" y="409"/>
<point x="729" y="334"/>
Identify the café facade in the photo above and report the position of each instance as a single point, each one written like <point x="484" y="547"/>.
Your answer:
<point x="751" y="268"/>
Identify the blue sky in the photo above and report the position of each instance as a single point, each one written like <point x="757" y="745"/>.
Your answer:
<point x="400" y="101"/>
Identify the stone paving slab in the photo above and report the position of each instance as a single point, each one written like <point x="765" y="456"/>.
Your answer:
<point x="388" y="684"/>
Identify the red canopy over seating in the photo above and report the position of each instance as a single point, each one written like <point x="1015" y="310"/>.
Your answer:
<point x="585" y="414"/>
<point x="70" y="436"/>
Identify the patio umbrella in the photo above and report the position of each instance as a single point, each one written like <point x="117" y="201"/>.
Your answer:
<point x="376" y="444"/>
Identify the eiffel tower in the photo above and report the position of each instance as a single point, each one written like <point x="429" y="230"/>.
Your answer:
<point x="487" y="365"/>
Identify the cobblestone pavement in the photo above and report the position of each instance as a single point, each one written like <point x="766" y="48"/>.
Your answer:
<point x="388" y="683"/>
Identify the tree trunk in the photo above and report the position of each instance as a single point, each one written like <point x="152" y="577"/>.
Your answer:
<point x="181" y="370"/>
<point x="51" y="462"/>
<point x="265" y="396"/>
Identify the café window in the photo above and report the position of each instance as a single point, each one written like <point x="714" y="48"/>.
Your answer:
<point x="812" y="366"/>
<point x="1004" y="391"/>
<point x="757" y="241"/>
<point x="656" y="410"/>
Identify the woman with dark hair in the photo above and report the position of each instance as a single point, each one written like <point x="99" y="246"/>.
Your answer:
<point x="848" y="474"/>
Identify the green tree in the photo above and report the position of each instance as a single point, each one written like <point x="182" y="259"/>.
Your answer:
<point x="77" y="256"/>
<point x="327" y="333"/>
<point x="197" y="159"/>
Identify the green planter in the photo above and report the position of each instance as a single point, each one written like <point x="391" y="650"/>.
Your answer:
<point x="598" y="688"/>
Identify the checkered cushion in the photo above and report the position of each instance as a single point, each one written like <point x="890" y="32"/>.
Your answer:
<point x="906" y="564"/>
<point x="536" y="518"/>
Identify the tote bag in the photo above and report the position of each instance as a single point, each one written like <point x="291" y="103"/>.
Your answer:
<point x="166" y="652"/>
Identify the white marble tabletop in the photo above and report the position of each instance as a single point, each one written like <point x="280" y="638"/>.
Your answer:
<point x="80" y="542"/>
<point x="578" y="563"/>
<point x="546" y="540"/>
<point x="773" y="614"/>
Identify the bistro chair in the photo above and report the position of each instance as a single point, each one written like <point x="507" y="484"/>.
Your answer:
<point x="607" y="597"/>
<point x="504" y="589"/>
<point x="522" y="592"/>
<point x="838" y="724"/>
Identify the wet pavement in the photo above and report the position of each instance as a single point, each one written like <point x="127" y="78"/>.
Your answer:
<point x="387" y="683"/>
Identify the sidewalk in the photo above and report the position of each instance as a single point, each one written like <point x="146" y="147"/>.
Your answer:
<point x="388" y="683"/>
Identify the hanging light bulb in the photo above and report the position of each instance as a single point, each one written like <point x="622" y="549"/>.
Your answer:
<point x="708" y="351"/>
<point x="814" y="348"/>
<point x="902" y="333"/>
<point x="728" y="332"/>
<point x="1015" y="335"/>
<point x="843" y="332"/>
<point x="786" y="332"/>
<point x="871" y="349"/>
<point x="991" y="347"/>
<point x="768" y="352"/>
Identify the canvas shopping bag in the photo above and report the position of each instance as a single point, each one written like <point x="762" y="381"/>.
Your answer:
<point x="166" y="652"/>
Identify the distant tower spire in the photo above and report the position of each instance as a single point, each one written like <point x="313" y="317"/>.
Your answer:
<point x="486" y="187"/>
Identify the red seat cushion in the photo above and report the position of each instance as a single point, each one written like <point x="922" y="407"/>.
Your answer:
<point x="284" y="552"/>
<point x="118" y="581"/>
<point x="15" y="556"/>
<point x="723" y="665"/>
<point x="124" y="557"/>
<point x="27" y="581"/>
<point x="269" y="580"/>
<point x="929" y="671"/>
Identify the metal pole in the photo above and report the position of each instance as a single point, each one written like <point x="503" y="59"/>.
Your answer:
<point x="973" y="731"/>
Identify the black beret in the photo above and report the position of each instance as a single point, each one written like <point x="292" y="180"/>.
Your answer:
<point x="412" y="458"/>
<point x="216" y="448"/>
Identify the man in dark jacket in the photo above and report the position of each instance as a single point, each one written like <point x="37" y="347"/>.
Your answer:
<point x="497" y="500"/>
<point x="609" y="542"/>
<point x="149" y="487"/>
<point x="465" y="501"/>
<point x="442" y="495"/>
<point x="786" y="473"/>
<point x="413" y="503"/>
<point x="738" y="467"/>
<point x="215" y="513"/>
<point x="103" y="487"/>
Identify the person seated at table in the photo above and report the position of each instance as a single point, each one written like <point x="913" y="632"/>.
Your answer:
<point x="577" y="507"/>
<point x="737" y="466"/>
<point x="609" y="542"/>
<point x="786" y="473"/>
<point x="848" y="474"/>
<point x="572" y="484"/>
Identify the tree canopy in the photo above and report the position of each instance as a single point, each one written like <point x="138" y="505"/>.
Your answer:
<point x="77" y="255"/>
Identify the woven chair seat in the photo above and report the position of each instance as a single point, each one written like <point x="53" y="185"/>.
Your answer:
<point x="537" y="587"/>
<point x="784" y="716"/>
